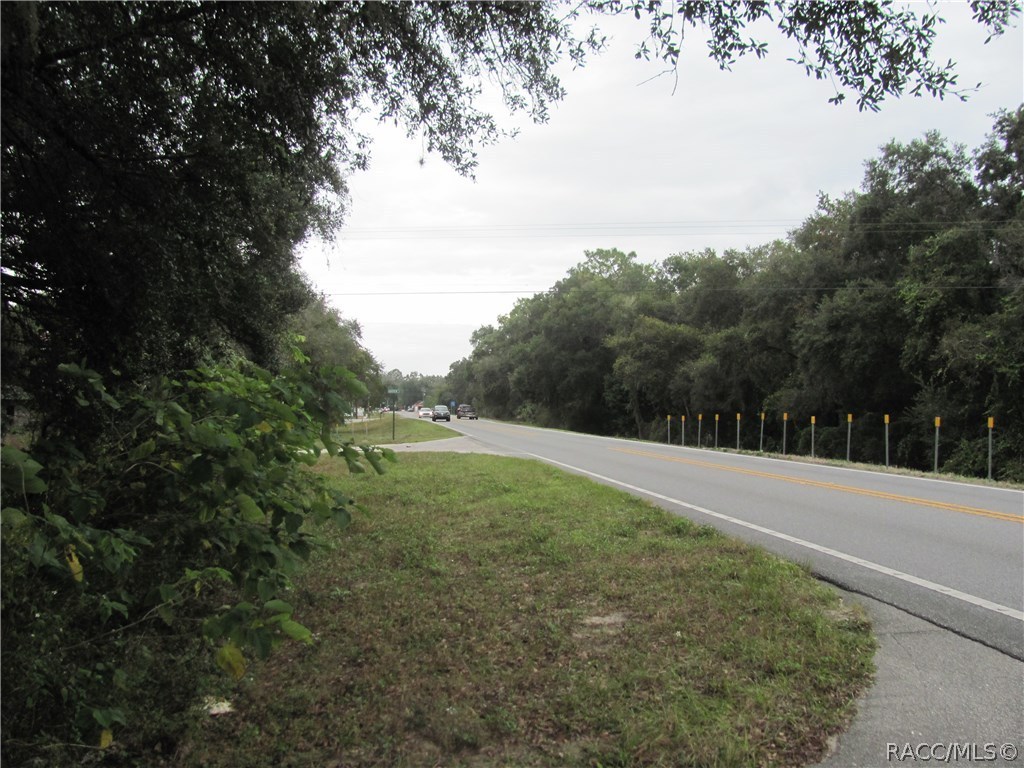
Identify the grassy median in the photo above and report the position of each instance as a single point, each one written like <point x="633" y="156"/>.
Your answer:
<point x="489" y="611"/>
<point x="378" y="428"/>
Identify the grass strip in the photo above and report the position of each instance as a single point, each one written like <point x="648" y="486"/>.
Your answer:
<point x="377" y="430"/>
<point x="489" y="611"/>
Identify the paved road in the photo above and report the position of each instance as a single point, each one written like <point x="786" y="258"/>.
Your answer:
<point x="951" y="553"/>
<point x="938" y="695"/>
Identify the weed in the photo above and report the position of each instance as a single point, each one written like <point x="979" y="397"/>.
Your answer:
<point x="527" y="617"/>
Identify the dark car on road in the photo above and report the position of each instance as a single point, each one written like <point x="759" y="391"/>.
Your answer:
<point x="441" y="412"/>
<point x="465" y="411"/>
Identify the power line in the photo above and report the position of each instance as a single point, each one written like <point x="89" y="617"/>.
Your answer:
<point x="657" y="289"/>
<point x="439" y="293"/>
<point x="513" y="231"/>
<point x="694" y="227"/>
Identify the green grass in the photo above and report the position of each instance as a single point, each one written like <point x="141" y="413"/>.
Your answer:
<point x="485" y="611"/>
<point x="377" y="430"/>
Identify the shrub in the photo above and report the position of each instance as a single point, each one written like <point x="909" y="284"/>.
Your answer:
<point x="166" y="539"/>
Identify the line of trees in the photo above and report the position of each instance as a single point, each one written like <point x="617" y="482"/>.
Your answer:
<point x="416" y="387"/>
<point x="904" y="298"/>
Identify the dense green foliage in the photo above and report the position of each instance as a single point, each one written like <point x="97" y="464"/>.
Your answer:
<point x="329" y="340"/>
<point x="906" y="298"/>
<point x="416" y="387"/>
<point x="162" y="161"/>
<point x="176" y="529"/>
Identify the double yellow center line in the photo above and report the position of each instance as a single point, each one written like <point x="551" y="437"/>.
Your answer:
<point x="832" y="486"/>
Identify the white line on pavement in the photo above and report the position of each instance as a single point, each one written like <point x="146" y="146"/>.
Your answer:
<point x="885" y="570"/>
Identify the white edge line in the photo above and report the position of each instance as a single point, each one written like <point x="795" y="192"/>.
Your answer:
<point x="980" y="602"/>
<point x="793" y="460"/>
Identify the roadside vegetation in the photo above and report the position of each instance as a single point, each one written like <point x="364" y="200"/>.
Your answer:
<point x="486" y="611"/>
<point x="139" y="562"/>
<point x="377" y="429"/>
<point x="894" y="304"/>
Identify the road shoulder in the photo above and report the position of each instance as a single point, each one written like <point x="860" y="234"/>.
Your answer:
<point x="933" y="689"/>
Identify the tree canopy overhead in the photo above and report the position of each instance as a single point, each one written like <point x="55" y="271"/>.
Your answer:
<point x="161" y="161"/>
<point x="873" y="49"/>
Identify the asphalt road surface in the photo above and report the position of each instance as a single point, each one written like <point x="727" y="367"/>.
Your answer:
<point x="951" y="553"/>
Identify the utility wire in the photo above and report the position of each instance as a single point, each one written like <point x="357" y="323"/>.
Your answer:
<point x="670" y="290"/>
<point x="640" y="229"/>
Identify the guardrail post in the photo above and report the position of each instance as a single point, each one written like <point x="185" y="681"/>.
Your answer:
<point x="991" y="424"/>
<point x="887" y="440"/>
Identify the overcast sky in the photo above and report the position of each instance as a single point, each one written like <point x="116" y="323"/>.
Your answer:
<point x="656" y="166"/>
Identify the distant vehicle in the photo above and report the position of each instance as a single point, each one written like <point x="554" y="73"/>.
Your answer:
<point x="441" y="412"/>
<point x="465" y="411"/>
<point x="425" y="413"/>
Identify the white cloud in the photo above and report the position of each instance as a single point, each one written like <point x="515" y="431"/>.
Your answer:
<point x="739" y="157"/>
